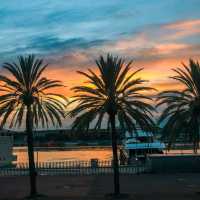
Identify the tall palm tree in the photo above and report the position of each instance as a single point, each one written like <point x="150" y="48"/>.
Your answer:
<point x="25" y="96"/>
<point x="115" y="94"/>
<point x="181" y="116"/>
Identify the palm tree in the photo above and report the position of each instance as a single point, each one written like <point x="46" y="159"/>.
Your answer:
<point x="114" y="93"/>
<point x="25" y="96"/>
<point x="181" y="116"/>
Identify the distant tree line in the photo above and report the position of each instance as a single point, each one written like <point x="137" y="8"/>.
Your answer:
<point x="62" y="136"/>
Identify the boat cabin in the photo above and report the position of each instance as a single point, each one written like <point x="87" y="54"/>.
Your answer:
<point x="142" y="144"/>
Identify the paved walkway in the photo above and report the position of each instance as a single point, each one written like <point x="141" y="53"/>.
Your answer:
<point x="140" y="187"/>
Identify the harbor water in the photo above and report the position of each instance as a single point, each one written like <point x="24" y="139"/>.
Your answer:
<point x="63" y="154"/>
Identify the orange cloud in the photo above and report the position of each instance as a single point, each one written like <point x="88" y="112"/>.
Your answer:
<point x="156" y="71"/>
<point x="68" y="76"/>
<point x="166" y="85"/>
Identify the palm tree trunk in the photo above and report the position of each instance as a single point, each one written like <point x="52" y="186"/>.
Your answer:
<point x="29" y="132"/>
<point x="115" y="156"/>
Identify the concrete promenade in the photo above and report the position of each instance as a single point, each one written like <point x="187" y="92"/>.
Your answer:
<point x="141" y="187"/>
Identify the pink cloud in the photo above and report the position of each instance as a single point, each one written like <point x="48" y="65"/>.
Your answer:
<point x="170" y="48"/>
<point x="131" y="43"/>
<point x="182" y="25"/>
<point x="183" y="29"/>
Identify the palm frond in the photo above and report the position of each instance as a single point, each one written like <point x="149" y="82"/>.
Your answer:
<point x="26" y="86"/>
<point x="114" y="89"/>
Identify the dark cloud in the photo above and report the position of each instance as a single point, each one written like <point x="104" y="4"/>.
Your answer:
<point x="53" y="44"/>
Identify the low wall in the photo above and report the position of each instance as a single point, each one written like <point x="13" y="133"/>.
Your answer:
<point x="175" y="164"/>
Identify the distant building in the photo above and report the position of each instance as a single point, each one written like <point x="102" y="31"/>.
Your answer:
<point x="6" y="148"/>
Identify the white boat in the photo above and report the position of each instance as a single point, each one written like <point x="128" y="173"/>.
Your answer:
<point x="140" y="145"/>
<point x="6" y="148"/>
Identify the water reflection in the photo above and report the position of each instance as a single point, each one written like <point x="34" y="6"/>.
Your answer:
<point x="64" y="155"/>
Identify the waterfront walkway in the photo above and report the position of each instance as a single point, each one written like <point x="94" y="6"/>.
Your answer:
<point x="140" y="187"/>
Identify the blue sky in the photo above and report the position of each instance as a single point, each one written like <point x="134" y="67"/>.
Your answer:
<point x="50" y="27"/>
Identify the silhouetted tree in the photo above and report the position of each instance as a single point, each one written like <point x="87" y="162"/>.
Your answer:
<point x="25" y="96"/>
<point x="181" y="115"/>
<point x="113" y="93"/>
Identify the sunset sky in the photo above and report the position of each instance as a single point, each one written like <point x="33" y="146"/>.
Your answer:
<point x="158" y="35"/>
<point x="70" y="35"/>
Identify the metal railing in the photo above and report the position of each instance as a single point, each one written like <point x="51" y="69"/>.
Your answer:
<point x="75" y="168"/>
